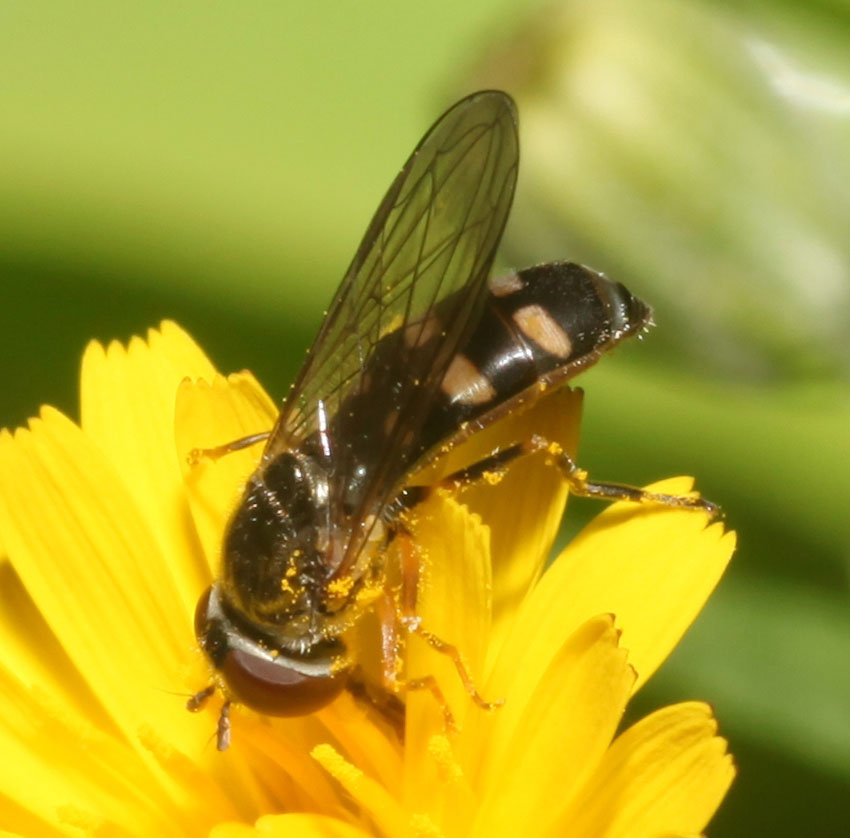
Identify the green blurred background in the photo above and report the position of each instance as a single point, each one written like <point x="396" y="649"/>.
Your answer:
<point x="217" y="163"/>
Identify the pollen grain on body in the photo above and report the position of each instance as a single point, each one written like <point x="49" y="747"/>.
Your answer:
<point x="341" y="586"/>
<point x="493" y="478"/>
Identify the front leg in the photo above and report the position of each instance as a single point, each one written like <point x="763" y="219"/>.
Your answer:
<point x="197" y="454"/>
<point x="392" y="624"/>
<point x="411" y="563"/>
<point x="491" y="468"/>
<point x="398" y="617"/>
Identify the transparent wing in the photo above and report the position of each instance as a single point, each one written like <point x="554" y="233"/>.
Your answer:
<point x="422" y="266"/>
<point x="434" y="234"/>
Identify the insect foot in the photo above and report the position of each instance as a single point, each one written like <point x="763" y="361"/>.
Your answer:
<point x="580" y="485"/>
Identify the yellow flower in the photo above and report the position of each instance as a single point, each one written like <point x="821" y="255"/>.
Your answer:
<point x="111" y="536"/>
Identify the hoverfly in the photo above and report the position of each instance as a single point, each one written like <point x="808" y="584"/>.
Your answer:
<point x="418" y="350"/>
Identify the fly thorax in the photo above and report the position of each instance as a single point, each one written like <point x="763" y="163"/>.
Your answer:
<point x="274" y="566"/>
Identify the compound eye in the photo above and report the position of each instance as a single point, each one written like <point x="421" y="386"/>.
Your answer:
<point x="284" y="686"/>
<point x="272" y="681"/>
<point x="202" y="613"/>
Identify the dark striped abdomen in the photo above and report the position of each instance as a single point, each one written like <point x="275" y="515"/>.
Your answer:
<point x="544" y="323"/>
<point x="539" y="326"/>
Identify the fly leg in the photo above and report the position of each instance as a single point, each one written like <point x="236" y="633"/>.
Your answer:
<point x="197" y="454"/>
<point x="380" y="697"/>
<point x="390" y="619"/>
<point x="577" y="480"/>
<point x="199" y="700"/>
<point x="222" y="730"/>
<point x="398" y="612"/>
<point x="412" y="622"/>
<point x="491" y="467"/>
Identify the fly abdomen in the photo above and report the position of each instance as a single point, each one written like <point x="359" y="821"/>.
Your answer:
<point x="417" y="352"/>
<point x="540" y="325"/>
<point x="563" y="312"/>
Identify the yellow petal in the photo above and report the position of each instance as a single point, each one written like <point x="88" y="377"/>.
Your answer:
<point x="94" y="571"/>
<point x="666" y="774"/>
<point x="32" y="652"/>
<point x="389" y="817"/>
<point x="64" y="771"/>
<point x="449" y="804"/>
<point x="375" y="749"/>
<point x="680" y="835"/>
<point x="208" y="415"/>
<point x="23" y="823"/>
<point x="453" y="598"/>
<point x="525" y="508"/>
<point x="653" y="567"/>
<point x="127" y="398"/>
<point x="542" y="751"/>
<point x="290" y="826"/>
<point x="454" y="604"/>
<point x="278" y="752"/>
